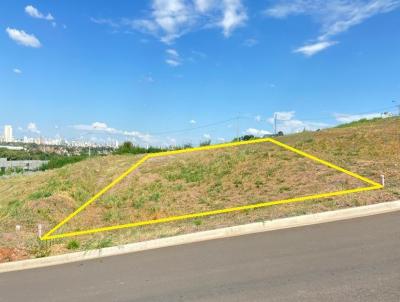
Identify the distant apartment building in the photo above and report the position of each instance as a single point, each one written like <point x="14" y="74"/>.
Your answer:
<point x="8" y="134"/>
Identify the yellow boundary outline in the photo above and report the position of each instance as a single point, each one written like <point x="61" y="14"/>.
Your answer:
<point x="373" y="186"/>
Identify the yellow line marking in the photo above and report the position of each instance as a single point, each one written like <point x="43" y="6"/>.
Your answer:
<point x="48" y="235"/>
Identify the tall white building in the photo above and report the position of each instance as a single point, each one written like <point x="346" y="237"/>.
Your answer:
<point x="8" y="134"/>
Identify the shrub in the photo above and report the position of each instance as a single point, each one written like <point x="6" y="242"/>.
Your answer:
<point x="128" y="147"/>
<point x="39" y="248"/>
<point x="60" y="161"/>
<point x="205" y="143"/>
<point x="246" y="137"/>
<point x="197" y="222"/>
<point x="73" y="245"/>
<point x="106" y="242"/>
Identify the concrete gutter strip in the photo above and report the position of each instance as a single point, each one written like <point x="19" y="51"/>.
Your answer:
<point x="251" y="228"/>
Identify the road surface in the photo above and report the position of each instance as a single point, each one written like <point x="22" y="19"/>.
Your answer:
<point x="353" y="260"/>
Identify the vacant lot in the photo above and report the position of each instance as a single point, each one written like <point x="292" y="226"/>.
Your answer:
<point x="210" y="180"/>
<point x="195" y="182"/>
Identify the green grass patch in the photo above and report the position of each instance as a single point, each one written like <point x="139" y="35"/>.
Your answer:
<point x="61" y="161"/>
<point x="73" y="245"/>
<point x="106" y="242"/>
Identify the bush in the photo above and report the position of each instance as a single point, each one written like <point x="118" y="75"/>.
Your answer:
<point x="60" y="161"/>
<point x="197" y="222"/>
<point x="128" y="147"/>
<point x="104" y="243"/>
<point x="246" y="137"/>
<point x="205" y="143"/>
<point x="39" y="248"/>
<point x="73" y="245"/>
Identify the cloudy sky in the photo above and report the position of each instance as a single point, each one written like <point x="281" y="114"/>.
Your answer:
<point x="167" y="71"/>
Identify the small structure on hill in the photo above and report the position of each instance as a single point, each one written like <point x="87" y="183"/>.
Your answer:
<point x="27" y="165"/>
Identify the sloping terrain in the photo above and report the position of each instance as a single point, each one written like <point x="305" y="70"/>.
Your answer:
<point x="196" y="182"/>
<point x="210" y="180"/>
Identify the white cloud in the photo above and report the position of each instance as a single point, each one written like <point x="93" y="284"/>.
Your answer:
<point x="192" y="122"/>
<point x="288" y="124"/>
<point x="32" y="128"/>
<point x="207" y="136"/>
<point x="17" y="70"/>
<point x="257" y="118"/>
<point x="172" y="52"/>
<point x="284" y="115"/>
<point x="311" y="49"/>
<point x="23" y="38"/>
<point x="96" y="126"/>
<point x="105" y="21"/>
<point x="170" y="19"/>
<point x="147" y="26"/>
<point x="35" y="13"/>
<point x="250" y="42"/>
<point x="104" y="128"/>
<point x="347" y="118"/>
<point x="295" y="125"/>
<point x="204" y="5"/>
<point x="234" y="15"/>
<point x="286" y="8"/>
<point x="173" y="58"/>
<point x="334" y="16"/>
<point x="257" y="132"/>
<point x="172" y="62"/>
<point x="221" y="139"/>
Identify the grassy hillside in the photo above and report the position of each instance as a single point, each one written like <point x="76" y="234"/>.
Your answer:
<point x="195" y="182"/>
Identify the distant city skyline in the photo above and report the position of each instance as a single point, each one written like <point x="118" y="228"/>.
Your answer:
<point x="8" y="137"/>
<point x="181" y="71"/>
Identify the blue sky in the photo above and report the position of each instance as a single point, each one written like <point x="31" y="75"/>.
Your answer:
<point x="143" y="69"/>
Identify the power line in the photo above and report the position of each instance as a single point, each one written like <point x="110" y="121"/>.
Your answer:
<point x="237" y="118"/>
<point x="196" y="128"/>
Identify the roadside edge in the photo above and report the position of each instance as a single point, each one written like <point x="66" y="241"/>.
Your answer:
<point x="257" y="227"/>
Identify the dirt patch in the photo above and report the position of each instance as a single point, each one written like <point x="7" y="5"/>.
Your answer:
<point x="12" y="254"/>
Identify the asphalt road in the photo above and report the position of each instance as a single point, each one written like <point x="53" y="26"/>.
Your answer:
<point x="353" y="260"/>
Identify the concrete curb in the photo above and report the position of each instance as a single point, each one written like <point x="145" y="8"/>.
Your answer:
<point x="251" y="228"/>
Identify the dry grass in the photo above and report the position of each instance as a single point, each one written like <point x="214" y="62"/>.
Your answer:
<point x="210" y="180"/>
<point x="195" y="182"/>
